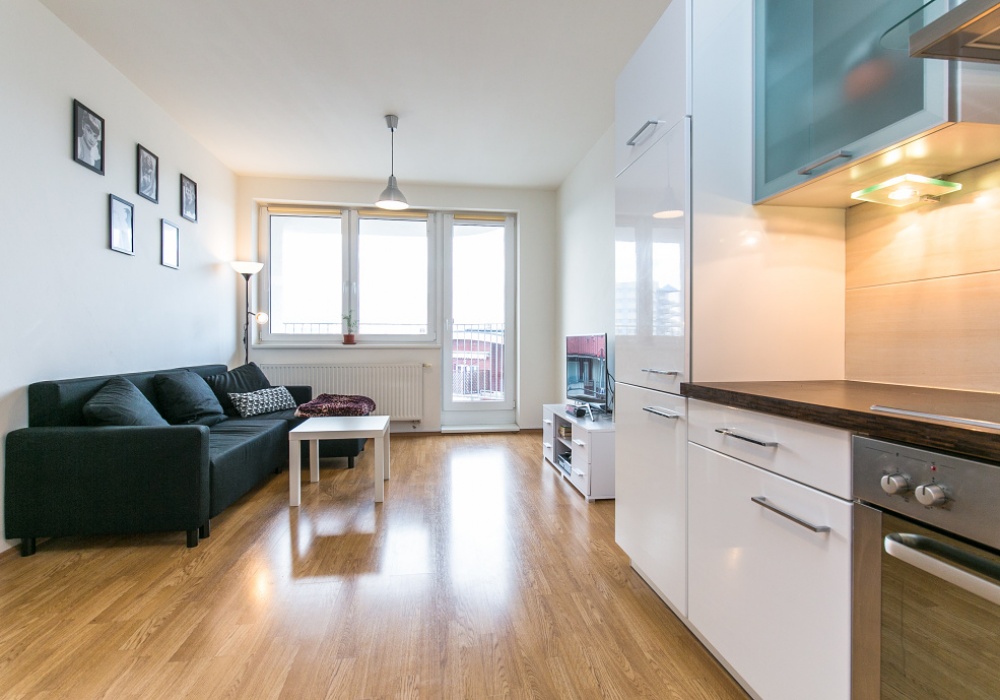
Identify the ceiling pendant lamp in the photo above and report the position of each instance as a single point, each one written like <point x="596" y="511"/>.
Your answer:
<point x="391" y="197"/>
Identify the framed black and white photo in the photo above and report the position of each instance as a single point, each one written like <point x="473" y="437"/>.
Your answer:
<point x="169" y="244"/>
<point x="88" y="138"/>
<point x="147" y="179"/>
<point x="121" y="225"/>
<point x="189" y="198"/>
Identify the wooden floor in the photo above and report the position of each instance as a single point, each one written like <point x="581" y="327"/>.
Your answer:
<point x="482" y="575"/>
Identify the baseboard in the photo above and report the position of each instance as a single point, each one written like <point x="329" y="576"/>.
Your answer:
<point x="508" y="428"/>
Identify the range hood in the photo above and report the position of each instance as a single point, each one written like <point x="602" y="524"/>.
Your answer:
<point x="967" y="32"/>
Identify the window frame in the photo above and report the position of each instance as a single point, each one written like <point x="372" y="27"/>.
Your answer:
<point x="350" y="230"/>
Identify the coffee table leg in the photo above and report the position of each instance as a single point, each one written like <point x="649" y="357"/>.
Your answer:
<point x="294" y="472"/>
<point x="314" y="460"/>
<point x="380" y="455"/>
<point x="386" y="455"/>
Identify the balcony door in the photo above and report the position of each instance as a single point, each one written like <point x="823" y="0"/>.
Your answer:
<point x="479" y="350"/>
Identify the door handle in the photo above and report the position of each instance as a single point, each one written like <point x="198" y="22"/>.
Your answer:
<point x="651" y="122"/>
<point x="910" y="548"/>
<point x="661" y="412"/>
<point x="754" y="441"/>
<point x="808" y="170"/>
<point x="764" y="503"/>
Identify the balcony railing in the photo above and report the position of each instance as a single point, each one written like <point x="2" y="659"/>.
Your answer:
<point x="477" y="361"/>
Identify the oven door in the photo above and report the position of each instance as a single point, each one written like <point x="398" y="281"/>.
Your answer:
<point x="940" y="611"/>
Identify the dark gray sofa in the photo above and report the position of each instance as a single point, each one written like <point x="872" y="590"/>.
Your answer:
<point x="65" y="477"/>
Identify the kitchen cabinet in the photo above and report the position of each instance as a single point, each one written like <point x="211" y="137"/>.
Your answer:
<point x="583" y="450"/>
<point x="652" y="202"/>
<point x="651" y="93"/>
<point x="769" y="556"/>
<point x="840" y="105"/>
<point x="769" y="594"/>
<point x="828" y="92"/>
<point x="651" y="488"/>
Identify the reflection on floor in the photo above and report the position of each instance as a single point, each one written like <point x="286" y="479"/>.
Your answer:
<point x="482" y="575"/>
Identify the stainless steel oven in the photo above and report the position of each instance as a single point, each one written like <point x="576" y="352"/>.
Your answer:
<point x="926" y="575"/>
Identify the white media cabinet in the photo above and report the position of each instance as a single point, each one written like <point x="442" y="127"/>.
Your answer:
<point x="582" y="450"/>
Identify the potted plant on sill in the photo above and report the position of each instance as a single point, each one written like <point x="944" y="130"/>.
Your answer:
<point x="351" y="326"/>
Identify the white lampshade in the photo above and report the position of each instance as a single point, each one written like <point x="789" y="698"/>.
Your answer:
<point x="246" y="267"/>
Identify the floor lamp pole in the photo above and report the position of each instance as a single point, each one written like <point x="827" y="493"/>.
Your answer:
<point x="246" y="322"/>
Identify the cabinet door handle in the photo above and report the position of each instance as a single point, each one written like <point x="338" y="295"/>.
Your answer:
<point x="578" y="473"/>
<point x="671" y="372"/>
<point x="808" y="170"/>
<point x="910" y="548"/>
<point x="763" y="502"/>
<point x="579" y="443"/>
<point x="547" y="445"/>
<point x="733" y="434"/>
<point x="661" y="412"/>
<point x="651" y="122"/>
<point x="547" y="422"/>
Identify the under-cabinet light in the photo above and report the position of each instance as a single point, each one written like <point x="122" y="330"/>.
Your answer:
<point x="906" y="189"/>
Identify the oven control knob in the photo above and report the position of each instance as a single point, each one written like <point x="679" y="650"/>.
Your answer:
<point x="895" y="484"/>
<point x="930" y="495"/>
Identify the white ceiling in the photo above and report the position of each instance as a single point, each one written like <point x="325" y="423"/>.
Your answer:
<point x="488" y="92"/>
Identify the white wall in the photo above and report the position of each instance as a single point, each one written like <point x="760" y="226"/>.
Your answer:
<point x="587" y="251"/>
<point x="73" y="307"/>
<point x="536" y="293"/>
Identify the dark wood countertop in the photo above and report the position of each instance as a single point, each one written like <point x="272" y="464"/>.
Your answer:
<point x="848" y="405"/>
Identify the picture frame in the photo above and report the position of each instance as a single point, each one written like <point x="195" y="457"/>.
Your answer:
<point x="147" y="174"/>
<point x="189" y="198"/>
<point x="88" y="137"/>
<point x="169" y="244"/>
<point x="121" y="225"/>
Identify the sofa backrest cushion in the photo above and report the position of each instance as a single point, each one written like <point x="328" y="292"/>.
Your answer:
<point x="118" y="402"/>
<point x="241" y="380"/>
<point x="59" y="402"/>
<point x="185" y="398"/>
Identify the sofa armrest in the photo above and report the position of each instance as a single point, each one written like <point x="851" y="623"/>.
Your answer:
<point x="89" y="480"/>
<point x="301" y="394"/>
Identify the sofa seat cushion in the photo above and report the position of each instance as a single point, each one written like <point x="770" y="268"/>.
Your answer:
<point x="186" y="398"/>
<point x="240" y="380"/>
<point x="242" y="452"/>
<point x="119" y="402"/>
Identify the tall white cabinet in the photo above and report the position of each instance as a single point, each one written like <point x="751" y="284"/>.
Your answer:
<point x="652" y="244"/>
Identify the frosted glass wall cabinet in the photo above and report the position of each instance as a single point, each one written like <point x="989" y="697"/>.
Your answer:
<point x="834" y="85"/>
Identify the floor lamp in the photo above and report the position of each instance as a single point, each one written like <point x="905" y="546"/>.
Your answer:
<point x="248" y="270"/>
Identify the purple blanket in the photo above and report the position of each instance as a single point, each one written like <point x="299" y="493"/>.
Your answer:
<point x="336" y="405"/>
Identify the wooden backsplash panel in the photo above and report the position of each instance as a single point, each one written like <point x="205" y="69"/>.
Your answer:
<point x="959" y="235"/>
<point x="942" y="332"/>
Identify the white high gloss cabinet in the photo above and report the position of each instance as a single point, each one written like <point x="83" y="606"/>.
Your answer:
<point x="651" y="93"/>
<point x="651" y="488"/>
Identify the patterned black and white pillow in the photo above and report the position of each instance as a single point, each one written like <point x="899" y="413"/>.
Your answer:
<point x="255" y="403"/>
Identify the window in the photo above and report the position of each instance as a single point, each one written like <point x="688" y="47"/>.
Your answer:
<point x="326" y="263"/>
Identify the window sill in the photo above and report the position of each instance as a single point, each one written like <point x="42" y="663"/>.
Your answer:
<point x="341" y="346"/>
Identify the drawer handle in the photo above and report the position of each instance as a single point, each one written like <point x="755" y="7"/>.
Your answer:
<point x="911" y="548"/>
<point x="670" y="372"/>
<point x="547" y="422"/>
<point x="579" y="443"/>
<point x="661" y="412"/>
<point x="635" y="136"/>
<point x="547" y="445"/>
<point x="733" y="434"/>
<point x="764" y="503"/>
<point x="808" y="170"/>
<point x="578" y="473"/>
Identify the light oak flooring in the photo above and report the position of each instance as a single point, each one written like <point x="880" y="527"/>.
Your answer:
<point x="482" y="575"/>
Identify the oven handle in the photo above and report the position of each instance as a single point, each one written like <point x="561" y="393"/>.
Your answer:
<point x="910" y="549"/>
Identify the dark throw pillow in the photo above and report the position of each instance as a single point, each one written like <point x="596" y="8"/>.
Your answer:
<point x="262" y="401"/>
<point x="119" y="402"/>
<point x="241" y="380"/>
<point x="185" y="398"/>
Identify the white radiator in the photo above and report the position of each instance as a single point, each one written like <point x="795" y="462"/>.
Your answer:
<point x="397" y="390"/>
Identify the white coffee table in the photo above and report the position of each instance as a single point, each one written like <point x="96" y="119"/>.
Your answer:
<point x="336" y="428"/>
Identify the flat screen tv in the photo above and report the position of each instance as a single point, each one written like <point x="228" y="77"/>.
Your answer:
<point x="587" y="369"/>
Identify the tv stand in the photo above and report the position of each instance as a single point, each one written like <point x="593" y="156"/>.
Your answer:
<point x="581" y="449"/>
